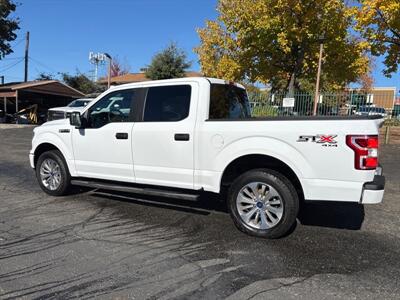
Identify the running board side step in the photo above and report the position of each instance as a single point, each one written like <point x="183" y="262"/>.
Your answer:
<point x="136" y="190"/>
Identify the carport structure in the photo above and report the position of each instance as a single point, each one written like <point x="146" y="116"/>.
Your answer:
<point x="46" y="94"/>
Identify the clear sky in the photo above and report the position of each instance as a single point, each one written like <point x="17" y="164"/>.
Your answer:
<point x="63" y="32"/>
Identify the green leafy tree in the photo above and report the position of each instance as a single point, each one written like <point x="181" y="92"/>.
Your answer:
<point x="169" y="63"/>
<point x="82" y="83"/>
<point x="8" y="27"/>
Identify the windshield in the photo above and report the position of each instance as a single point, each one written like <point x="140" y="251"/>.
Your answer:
<point x="370" y="109"/>
<point x="364" y="109"/>
<point x="379" y="110"/>
<point x="79" y="103"/>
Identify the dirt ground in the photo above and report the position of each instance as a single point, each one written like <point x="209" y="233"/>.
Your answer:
<point x="394" y="135"/>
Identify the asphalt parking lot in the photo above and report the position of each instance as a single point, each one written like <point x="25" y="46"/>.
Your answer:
<point x="94" y="244"/>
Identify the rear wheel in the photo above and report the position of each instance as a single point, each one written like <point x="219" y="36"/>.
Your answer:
<point x="263" y="203"/>
<point x="52" y="173"/>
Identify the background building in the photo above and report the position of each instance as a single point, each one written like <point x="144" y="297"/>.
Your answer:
<point x="137" y="77"/>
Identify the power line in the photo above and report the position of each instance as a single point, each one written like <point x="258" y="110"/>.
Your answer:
<point x="11" y="58"/>
<point x="40" y="71"/>
<point x="19" y="42"/>
<point x="42" y="64"/>
<point x="13" y="77"/>
<point x="12" y="65"/>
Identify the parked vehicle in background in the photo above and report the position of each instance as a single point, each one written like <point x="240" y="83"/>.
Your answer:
<point x="2" y="116"/>
<point x="57" y="113"/>
<point x="180" y="137"/>
<point x="368" y="110"/>
<point x="80" y="102"/>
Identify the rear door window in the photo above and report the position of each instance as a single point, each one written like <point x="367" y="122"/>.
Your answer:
<point x="228" y="102"/>
<point x="167" y="103"/>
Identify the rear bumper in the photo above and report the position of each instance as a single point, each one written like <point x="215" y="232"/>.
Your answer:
<point x="373" y="191"/>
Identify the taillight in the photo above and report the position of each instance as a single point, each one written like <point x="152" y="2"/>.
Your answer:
<point x="366" y="150"/>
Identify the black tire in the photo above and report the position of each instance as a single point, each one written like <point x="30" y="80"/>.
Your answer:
<point x="65" y="182"/>
<point x="289" y="201"/>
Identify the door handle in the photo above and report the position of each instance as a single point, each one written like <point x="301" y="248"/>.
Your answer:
<point x="121" y="136"/>
<point x="182" y="136"/>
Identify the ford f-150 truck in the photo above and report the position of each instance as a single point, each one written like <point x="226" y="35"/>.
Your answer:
<point x="180" y="137"/>
<point x="57" y="113"/>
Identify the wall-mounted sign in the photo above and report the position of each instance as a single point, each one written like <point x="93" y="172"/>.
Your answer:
<point x="288" y="102"/>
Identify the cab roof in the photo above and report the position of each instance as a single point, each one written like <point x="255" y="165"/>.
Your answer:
<point x="175" y="80"/>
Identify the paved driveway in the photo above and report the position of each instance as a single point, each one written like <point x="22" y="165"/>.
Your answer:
<point x="94" y="244"/>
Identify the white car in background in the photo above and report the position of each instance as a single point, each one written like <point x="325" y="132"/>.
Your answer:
<point x="57" y="113"/>
<point x="371" y="111"/>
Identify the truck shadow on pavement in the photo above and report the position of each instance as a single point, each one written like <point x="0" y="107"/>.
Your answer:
<point x="339" y="215"/>
<point x="205" y="206"/>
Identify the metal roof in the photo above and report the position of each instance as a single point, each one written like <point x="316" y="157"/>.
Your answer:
<point x="51" y="87"/>
<point x="139" y="77"/>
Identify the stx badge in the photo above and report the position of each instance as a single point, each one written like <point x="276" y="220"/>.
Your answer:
<point x="326" y="140"/>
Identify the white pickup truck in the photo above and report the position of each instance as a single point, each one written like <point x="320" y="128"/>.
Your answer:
<point x="180" y="137"/>
<point x="63" y="112"/>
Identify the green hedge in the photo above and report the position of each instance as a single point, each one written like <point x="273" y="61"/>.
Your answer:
<point x="265" y="111"/>
<point x="392" y="122"/>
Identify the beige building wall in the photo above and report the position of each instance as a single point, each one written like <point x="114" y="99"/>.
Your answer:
<point x="384" y="97"/>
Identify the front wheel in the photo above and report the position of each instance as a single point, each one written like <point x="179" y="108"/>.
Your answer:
<point x="52" y="173"/>
<point x="263" y="203"/>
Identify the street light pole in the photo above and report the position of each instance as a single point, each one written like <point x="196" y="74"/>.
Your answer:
<point x="109" y="69"/>
<point x="321" y="47"/>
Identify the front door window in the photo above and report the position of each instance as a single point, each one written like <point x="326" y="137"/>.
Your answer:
<point x="112" y="108"/>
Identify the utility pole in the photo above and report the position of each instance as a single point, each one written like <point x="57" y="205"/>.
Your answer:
<point x="26" y="56"/>
<point x="109" y="69"/>
<point x="4" y="99"/>
<point x="316" y="97"/>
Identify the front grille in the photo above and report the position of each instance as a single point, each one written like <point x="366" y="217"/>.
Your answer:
<point x="55" y="115"/>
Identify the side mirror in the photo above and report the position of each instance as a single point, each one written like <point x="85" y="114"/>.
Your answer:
<point x="75" y="119"/>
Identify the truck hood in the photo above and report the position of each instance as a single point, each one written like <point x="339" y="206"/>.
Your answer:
<point x="67" y="109"/>
<point x="61" y="122"/>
